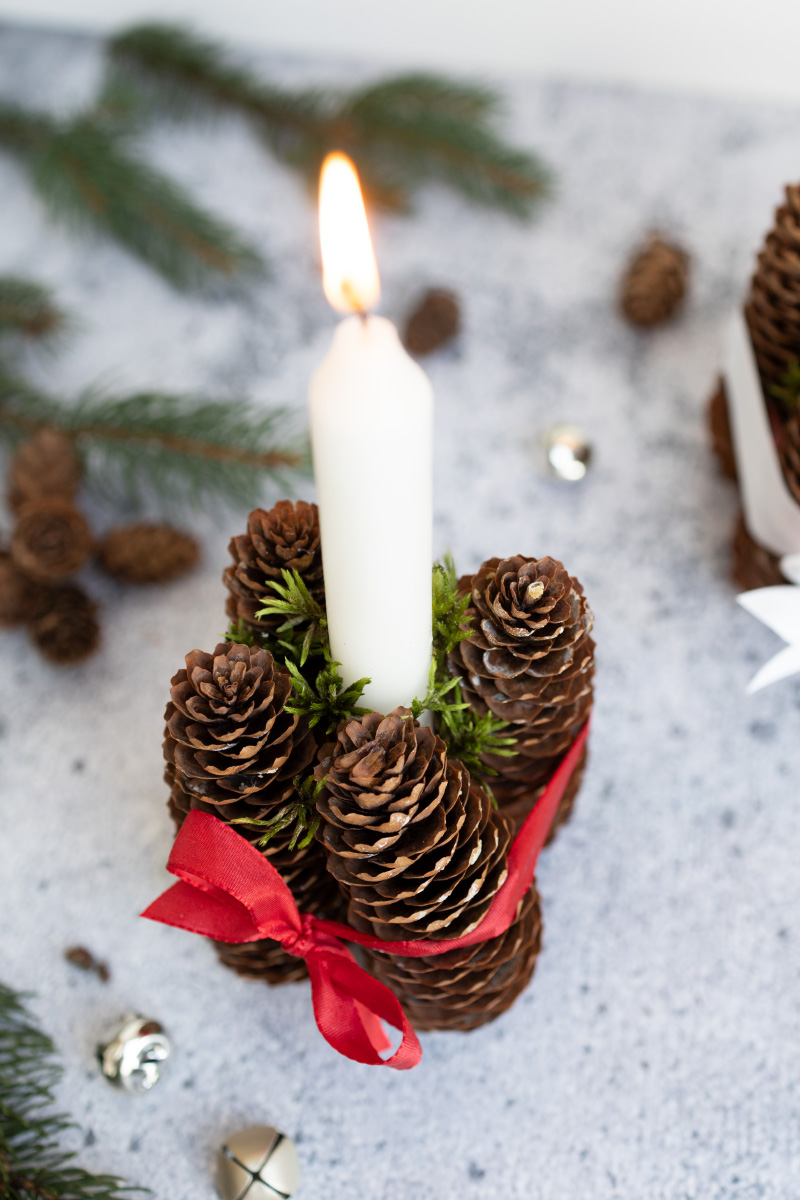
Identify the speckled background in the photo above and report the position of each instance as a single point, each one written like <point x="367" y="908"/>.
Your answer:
<point x="656" y="1053"/>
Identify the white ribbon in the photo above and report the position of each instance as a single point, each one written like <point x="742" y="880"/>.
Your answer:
<point x="771" y="513"/>
<point x="779" y="609"/>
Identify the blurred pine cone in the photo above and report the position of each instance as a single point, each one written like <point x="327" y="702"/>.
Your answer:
<point x="14" y="588"/>
<point x="789" y="451"/>
<point x="147" y="553"/>
<point x="285" y="538"/>
<point x="44" y="467"/>
<point x="434" y="321"/>
<point x="228" y="734"/>
<point x="720" y="428"/>
<point x="62" y="622"/>
<point x="753" y="565"/>
<point x="773" y="306"/>
<point x="654" y="283"/>
<point x="529" y="660"/>
<point x="51" y="539"/>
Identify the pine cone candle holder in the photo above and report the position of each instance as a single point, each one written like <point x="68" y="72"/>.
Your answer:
<point x="419" y="852"/>
<point x="529" y="660"/>
<point x="284" y="539"/>
<point x="772" y="313"/>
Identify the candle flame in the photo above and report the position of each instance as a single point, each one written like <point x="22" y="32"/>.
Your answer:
<point x="349" y="270"/>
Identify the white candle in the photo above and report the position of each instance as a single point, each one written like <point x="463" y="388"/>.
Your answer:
<point x="371" y="418"/>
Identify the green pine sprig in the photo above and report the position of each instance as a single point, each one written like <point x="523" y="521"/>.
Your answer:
<point x="402" y="132"/>
<point x="33" y="1166"/>
<point x="450" y="621"/>
<point x="305" y="626"/>
<point x="28" y="311"/>
<point x="299" y="812"/>
<point x="325" y="701"/>
<point x="787" y="392"/>
<point x="179" y="449"/>
<point x="239" y="633"/>
<point x="91" y="174"/>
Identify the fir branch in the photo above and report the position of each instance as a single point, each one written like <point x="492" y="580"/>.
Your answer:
<point x="179" y="448"/>
<point x="470" y="737"/>
<point x="326" y="701"/>
<point x="305" y="624"/>
<point x="787" y="393"/>
<point x="32" y="1164"/>
<point x="89" y="173"/>
<point x="28" y="310"/>
<point x="450" y="623"/>
<point x="300" y="812"/>
<point x="402" y="132"/>
<point x="239" y="633"/>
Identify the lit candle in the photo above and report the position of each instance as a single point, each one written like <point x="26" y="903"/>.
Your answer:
<point x="371" y="417"/>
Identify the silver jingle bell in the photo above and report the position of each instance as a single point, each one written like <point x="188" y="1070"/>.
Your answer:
<point x="134" y="1058"/>
<point x="569" y="452"/>
<point x="258" y="1163"/>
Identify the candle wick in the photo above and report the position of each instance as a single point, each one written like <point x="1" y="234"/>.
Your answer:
<point x="351" y="295"/>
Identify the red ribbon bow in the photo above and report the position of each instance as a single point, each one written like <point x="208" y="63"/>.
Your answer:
<point x="230" y="892"/>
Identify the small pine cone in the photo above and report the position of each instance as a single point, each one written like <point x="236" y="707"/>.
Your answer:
<point x="462" y="989"/>
<point x="654" y="283"/>
<point x="416" y="846"/>
<point x="44" y="467"/>
<point x="147" y="553"/>
<point x="14" y="590"/>
<point x="51" y="540"/>
<point x="434" y="321"/>
<point x="62" y="622"/>
<point x="789" y="450"/>
<point x="285" y="538"/>
<point x="314" y="890"/>
<point x="228" y="734"/>
<point x="773" y="306"/>
<point x="720" y="427"/>
<point x="528" y="660"/>
<point x="753" y="565"/>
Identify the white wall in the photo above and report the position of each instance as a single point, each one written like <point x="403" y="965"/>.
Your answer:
<point x="736" y="46"/>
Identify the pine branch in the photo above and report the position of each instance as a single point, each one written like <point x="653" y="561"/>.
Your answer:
<point x="180" y="449"/>
<point x="325" y="702"/>
<point x="28" y="310"/>
<point x="402" y="132"/>
<point x="32" y="1164"/>
<point x="90" y="174"/>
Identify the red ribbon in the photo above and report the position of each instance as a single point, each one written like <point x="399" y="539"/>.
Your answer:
<point x="230" y="892"/>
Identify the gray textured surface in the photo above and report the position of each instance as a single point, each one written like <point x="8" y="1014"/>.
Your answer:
<point x="656" y="1054"/>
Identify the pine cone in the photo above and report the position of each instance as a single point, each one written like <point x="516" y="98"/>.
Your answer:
<point x="416" y="846"/>
<point x="720" y="428"/>
<point x="62" y="623"/>
<point x="44" y="467"/>
<point x="654" y="283"/>
<point x="314" y="890"/>
<point x="529" y="660"/>
<point x="434" y="321"/>
<point x="285" y="538"/>
<point x="462" y="989"/>
<point x="147" y="553"/>
<point x="228" y="734"/>
<point x="419" y="852"/>
<point x="753" y="565"/>
<point x="773" y="307"/>
<point x="51" y="540"/>
<point x="14" y="588"/>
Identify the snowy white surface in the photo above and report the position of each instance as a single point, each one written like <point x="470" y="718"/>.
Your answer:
<point x="656" y="1053"/>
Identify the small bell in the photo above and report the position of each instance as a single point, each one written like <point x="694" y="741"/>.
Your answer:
<point x="259" y="1163"/>
<point x="569" y="452"/>
<point x="134" y="1058"/>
